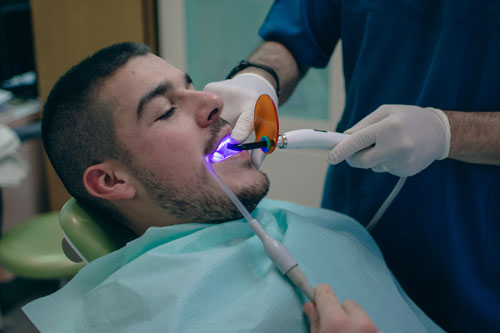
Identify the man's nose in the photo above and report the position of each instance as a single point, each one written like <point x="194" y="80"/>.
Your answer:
<point x="208" y="108"/>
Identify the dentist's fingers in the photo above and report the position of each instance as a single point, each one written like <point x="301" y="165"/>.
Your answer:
<point x="329" y="315"/>
<point x="372" y="118"/>
<point x="328" y="305"/>
<point x="362" y="321"/>
<point x="243" y="126"/>
<point x="239" y="95"/>
<point x="312" y="314"/>
<point x="376" y="159"/>
<point x="354" y="143"/>
<point x="380" y="168"/>
<point x="258" y="157"/>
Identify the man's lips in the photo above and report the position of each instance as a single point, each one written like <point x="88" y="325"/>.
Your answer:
<point x="215" y="140"/>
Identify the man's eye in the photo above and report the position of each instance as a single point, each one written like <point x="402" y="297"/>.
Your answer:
<point x="167" y="114"/>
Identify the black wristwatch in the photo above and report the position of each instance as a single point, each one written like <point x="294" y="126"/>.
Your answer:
<point x="245" y="64"/>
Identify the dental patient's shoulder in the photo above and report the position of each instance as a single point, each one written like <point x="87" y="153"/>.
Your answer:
<point x="319" y="214"/>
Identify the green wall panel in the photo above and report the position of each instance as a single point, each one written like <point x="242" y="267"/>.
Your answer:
<point x="220" y="33"/>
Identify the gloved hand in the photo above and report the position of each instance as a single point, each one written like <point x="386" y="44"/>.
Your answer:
<point x="239" y="95"/>
<point x="328" y="314"/>
<point x="399" y="139"/>
<point x="258" y="157"/>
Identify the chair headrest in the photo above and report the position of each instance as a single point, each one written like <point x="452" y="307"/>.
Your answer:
<point x="89" y="233"/>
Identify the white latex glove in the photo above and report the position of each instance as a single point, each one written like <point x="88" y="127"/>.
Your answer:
<point x="399" y="139"/>
<point x="258" y="157"/>
<point x="239" y="95"/>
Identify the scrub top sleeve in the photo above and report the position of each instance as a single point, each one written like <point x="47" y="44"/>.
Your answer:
<point x="309" y="29"/>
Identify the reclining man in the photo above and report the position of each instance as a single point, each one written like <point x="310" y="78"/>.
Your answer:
<point x="126" y="132"/>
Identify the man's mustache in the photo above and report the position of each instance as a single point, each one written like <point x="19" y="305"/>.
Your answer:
<point x="214" y="131"/>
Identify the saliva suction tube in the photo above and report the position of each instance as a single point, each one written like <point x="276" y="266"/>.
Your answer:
<point x="276" y="251"/>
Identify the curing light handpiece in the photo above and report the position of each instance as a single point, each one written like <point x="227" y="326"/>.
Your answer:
<point x="310" y="138"/>
<point x="297" y="139"/>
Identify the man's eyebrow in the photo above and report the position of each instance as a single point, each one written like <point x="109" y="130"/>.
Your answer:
<point x="159" y="90"/>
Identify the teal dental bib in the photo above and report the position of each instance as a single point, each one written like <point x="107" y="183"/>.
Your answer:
<point x="217" y="277"/>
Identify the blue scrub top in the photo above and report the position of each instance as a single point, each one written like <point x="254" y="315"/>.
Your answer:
<point x="441" y="235"/>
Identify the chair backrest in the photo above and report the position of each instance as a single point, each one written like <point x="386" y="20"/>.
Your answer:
<point x="89" y="234"/>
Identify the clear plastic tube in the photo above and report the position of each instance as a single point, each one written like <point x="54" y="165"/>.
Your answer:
<point x="276" y="251"/>
<point x="312" y="138"/>
<point x="386" y="203"/>
<point x="227" y="190"/>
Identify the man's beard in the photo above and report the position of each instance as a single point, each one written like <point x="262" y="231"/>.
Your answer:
<point x="197" y="203"/>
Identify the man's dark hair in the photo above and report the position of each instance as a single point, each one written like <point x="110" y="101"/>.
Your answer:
<point x="77" y="128"/>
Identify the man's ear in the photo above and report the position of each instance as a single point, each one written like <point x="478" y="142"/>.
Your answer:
<point x="107" y="181"/>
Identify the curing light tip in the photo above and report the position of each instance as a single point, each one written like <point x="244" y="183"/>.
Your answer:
<point x="265" y="144"/>
<point x="223" y="150"/>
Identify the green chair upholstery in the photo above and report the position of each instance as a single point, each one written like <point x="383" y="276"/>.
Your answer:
<point x="89" y="234"/>
<point x="33" y="249"/>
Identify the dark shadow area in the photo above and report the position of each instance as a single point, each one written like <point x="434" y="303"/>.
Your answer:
<point x="14" y="295"/>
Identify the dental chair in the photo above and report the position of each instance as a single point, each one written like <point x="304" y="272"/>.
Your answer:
<point x="89" y="235"/>
<point x="32" y="249"/>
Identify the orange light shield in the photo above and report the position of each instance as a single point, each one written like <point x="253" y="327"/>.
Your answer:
<point x="266" y="122"/>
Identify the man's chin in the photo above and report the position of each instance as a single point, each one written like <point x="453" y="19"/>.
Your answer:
<point x="250" y="197"/>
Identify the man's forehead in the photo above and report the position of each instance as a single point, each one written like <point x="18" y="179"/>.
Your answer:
<point x="148" y="69"/>
<point x="123" y="90"/>
<point x="137" y="76"/>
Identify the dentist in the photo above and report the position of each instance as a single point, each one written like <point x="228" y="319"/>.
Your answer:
<point x="422" y="100"/>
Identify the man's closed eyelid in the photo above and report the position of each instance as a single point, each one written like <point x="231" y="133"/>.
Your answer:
<point x="167" y="114"/>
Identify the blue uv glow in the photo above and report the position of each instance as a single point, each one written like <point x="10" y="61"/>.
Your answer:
<point x="222" y="152"/>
